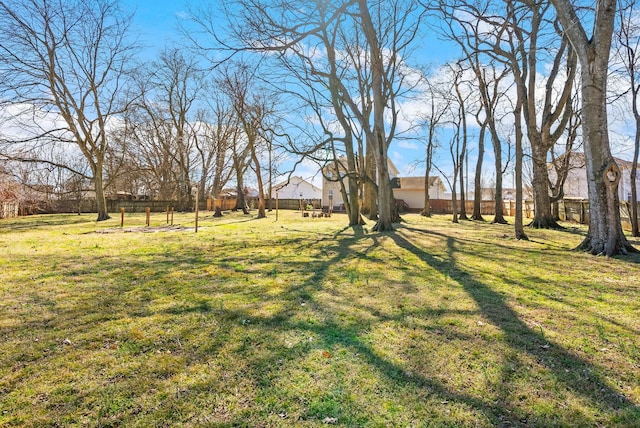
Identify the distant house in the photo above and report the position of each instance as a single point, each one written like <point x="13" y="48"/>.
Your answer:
<point x="331" y="187"/>
<point x="408" y="189"/>
<point x="9" y="197"/>
<point x="411" y="190"/>
<point x="296" y="188"/>
<point x="575" y="186"/>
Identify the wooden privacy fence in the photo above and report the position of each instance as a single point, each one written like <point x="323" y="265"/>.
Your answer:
<point x="294" y="204"/>
<point x="578" y="211"/>
<point x="224" y="204"/>
<point x="9" y="209"/>
<point x="575" y="210"/>
<point x="445" y="206"/>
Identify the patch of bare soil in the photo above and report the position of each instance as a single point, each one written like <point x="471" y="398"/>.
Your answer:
<point x="145" y="229"/>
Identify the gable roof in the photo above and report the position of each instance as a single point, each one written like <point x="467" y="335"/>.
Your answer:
<point x="578" y="160"/>
<point x="295" y="181"/>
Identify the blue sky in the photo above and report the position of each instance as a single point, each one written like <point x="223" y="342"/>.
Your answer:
<point x="157" y="23"/>
<point x="156" y="20"/>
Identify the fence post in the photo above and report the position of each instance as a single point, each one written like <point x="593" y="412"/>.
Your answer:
<point x="171" y="216"/>
<point x="121" y="216"/>
<point x="167" y="214"/>
<point x="197" y="210"/>
<point x="148" y="216"/>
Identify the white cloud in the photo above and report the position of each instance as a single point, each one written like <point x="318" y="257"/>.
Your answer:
<point x="409" y="145"/>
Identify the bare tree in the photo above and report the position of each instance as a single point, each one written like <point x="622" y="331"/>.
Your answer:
<point x="216" y="131"/>
<point x="458" y="146"/>
<point x="605" y="235"/>
<point x="628" y="38"/>
<point x="519" y="34"/>
<point x="253" y="107"/>
<point x="69" y="59"/>
<point x="489" y="80"/>
<point x="439" y="100"/>
<point x="388" y="30"/>
<point x="177" y="82"/>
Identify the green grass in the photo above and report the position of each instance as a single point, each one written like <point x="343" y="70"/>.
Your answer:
<point x="304" y="322"/>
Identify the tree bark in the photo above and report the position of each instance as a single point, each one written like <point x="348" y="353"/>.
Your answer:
<point x="605" y="234"/>
<point x="543" y="217"/>
<point x="497" y="154"/>
<point x="370" y="196"/>
<point x="426" y="211"/>
<point x="517" y="113"/>
<point x="261" y="203"/>
<point x="635" y="230"/>
<point x="477" y="182"/>
<point x="101" y="201"/>
<point x="385" y="193"/>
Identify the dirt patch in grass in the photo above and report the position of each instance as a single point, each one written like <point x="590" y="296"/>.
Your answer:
<point x="146" y="229"/>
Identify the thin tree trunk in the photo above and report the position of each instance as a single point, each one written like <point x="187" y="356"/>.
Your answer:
<point x="499" y="203"/>
<point x="426" y="211"/>
<point x="261" y="203"/>
<point x="634" y="191"/>
<point x="477" y="182"/>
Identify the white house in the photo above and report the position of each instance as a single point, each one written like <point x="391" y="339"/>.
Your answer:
<point x="576" y="186"/>
<point x="408" y="189"/>
<point x="331" y="193"/>
<point x="296" y="188"/>
<point x="411" y="190"/>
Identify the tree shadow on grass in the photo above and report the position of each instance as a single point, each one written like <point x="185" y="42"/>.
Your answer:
<point x="573" y="372"/>
<point x="40" y="221"/>
<point x="260" y="355"/>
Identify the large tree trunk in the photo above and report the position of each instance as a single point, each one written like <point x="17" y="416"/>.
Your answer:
<point x="370" y="197"/>
<point x="454" y="198"/>
<point x="386" y="203"/>
<point x="101" y="201"/>
<point x="605" y="234"/>
<point x="543" y="217"/>
<point x="385" y="197"/>
<point x="519" y="227"/>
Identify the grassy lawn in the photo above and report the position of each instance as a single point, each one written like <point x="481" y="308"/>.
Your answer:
<point x="304" y="322"/>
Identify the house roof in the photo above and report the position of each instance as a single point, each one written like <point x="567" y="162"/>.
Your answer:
<point x="578" y="160"/>
<point x="296" y="181"/>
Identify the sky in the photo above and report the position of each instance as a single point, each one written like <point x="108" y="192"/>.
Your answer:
<point x="156" y="26"/>
<point x="157" y="23"/>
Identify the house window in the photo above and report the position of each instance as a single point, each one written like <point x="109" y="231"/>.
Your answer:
<point x="395" y="183"/>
